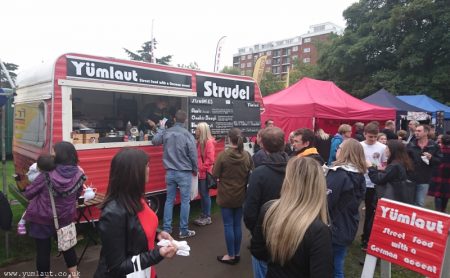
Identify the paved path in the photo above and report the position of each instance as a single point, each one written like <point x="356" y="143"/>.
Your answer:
<point x="205" y="247"/>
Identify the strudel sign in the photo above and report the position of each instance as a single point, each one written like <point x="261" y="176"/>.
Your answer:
<point x="410" y="236"/>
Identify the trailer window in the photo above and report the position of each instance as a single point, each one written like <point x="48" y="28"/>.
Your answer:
<point x="103" y="115"/>
<point x="30" y="123"/>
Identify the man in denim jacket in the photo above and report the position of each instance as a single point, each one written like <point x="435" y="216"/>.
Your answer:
<point x="180" y="162"/>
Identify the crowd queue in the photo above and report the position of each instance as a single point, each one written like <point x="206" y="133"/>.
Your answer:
<point x="299" y="199"/>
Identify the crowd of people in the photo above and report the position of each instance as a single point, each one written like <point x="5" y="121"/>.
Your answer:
<point x="300" y="199"/>
<point x="403" y="166"/>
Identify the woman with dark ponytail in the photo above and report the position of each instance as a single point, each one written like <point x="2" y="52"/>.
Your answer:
<point x="232" y="168"/>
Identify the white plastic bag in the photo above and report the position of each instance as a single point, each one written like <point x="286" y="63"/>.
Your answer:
<point x="194" y="187"/>
<point x="138" y="271"/>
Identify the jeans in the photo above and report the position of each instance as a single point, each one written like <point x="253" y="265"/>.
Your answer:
<point x="339" y="252"/>
<point x="259" y="268"/>
<point x="371" y="204"/>
<point x="205" y="199"/>
<point x="182" y="180"/>
<point x="232" y="218"/>
<point x="421" y="193"/>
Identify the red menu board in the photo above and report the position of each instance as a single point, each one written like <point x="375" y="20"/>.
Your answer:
<point x="409" y="236"/>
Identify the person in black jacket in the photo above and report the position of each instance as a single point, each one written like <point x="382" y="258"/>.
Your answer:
<point x="426" y="156"/>
<point x="359" y="131"/>
<point x="265" y="185"/>
<point x="389" y="130"/>
<point x="292" y="232"/>
<point x="347" y="188"/>
<point x="323" y="143"/>
<point x="395" y="173"/>
<point x="127" y="225"/>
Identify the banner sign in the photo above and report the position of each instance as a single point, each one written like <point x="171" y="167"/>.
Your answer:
<point x="82" y="68"/>
<point x="225" y="88"/>
<point x="258" y="70"/>
<point x="409" y="236"/>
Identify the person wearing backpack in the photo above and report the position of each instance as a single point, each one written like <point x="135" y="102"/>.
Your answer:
<point x="346" y="189"/>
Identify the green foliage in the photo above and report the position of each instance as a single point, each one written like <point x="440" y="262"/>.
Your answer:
<point x="231" y="70"/>
<point x="11" y="68"/>
<point x="192" y="65"/>
<point x="270" y="84"/>
<point x="145" y="54"/>
<point x="301" y="70"/>
<point x="403" y="46"/>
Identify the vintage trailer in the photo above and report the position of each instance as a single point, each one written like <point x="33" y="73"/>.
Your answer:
<point x="89" y="101"/>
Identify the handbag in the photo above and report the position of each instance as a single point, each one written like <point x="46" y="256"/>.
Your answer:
<point x="138" y="272"/>
<point x="402" y="191"/>
<point x="211" y="181"/>
<point x="67" y="236"/>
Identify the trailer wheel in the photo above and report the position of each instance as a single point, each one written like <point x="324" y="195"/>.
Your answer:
<point x="156" y="203"/>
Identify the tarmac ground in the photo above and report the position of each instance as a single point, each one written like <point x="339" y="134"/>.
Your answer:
<point x="208" y="243"/>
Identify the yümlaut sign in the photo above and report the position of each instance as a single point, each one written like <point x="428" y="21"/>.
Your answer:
<point x="409" y="236"/>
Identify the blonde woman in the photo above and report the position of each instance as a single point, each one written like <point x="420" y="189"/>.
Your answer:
<point x="347" y="187"/>
<point x="382" y="138"/>
<point x="292" y="233"/>
<point x="206" y="155"/>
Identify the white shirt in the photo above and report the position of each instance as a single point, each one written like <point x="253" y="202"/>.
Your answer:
<point x="375" y="154"/>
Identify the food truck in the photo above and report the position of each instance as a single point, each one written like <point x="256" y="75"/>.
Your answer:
<point x="96" y="103"/>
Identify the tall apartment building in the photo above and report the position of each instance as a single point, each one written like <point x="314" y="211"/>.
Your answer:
<point x="282" y="53"/>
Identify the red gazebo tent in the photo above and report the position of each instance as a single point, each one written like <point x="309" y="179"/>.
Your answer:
<point x="319" y="104"/>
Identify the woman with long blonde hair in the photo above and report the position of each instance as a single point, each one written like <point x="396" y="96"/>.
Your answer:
<point x="206" y="152"/>
<point x="292" y="233"/>
<point x="347" y="187"/>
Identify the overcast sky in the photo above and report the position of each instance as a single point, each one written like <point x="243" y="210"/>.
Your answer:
<point x="33" y="31"/>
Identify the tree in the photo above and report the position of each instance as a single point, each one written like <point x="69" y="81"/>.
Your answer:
<point x="403" y="46"/>
<point x="11" y="68"/>
<point x="231" y="70"/>
<point x="145" y="54"/>
<point x="301" y="70"/>
<point x="271" y="83"/>
<point x="192" y="65"/>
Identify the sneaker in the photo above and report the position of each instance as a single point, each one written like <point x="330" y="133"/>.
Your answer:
<point x="202" y="221"/>
<point x="207" y="221"/>
<point x="189" y="233"/>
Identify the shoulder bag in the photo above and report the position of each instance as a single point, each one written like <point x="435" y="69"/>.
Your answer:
<point x="67" y="236"/>
<point x="138" y="272"/>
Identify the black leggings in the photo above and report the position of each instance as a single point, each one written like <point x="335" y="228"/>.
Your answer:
<point x="43" y="248"/>
<point x="371" y="205"/>
<point x="440" y="203"/>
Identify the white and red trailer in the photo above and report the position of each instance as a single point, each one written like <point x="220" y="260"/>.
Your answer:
<point x="81" y="98"/>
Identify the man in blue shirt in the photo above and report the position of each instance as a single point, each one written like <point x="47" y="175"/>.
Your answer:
<point x="180" y="162"/>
